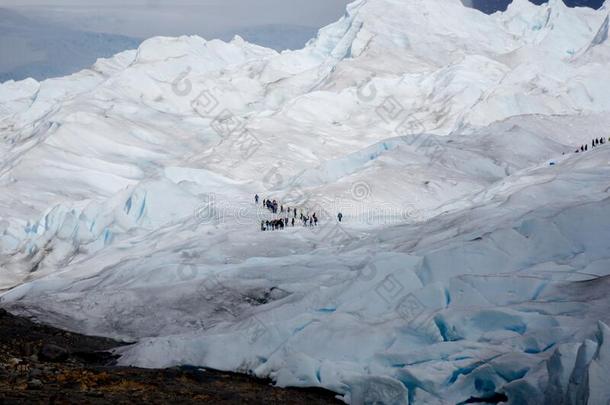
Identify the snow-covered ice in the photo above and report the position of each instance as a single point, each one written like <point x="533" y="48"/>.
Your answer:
<point x="473" y="259"/>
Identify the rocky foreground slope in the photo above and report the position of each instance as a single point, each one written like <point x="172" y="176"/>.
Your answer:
<point x="40" y="364"/>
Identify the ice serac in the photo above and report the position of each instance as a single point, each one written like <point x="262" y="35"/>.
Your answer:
<point x="602" y="34"/>
<point x="472" y="264"/>
<point x="579" y="373"/>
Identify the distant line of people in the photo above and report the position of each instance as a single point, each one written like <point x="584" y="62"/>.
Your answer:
<point x="594" y="143"/>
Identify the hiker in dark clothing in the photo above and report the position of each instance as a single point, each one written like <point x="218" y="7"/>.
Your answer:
<point x="295" y="212"/>
<point x="263" y="226"/>
<point x="582" y="148"/>
<point x="293" y="222"/>
<point x="586" y="147"/>
<point x="340" y="217"/>
<point x="315" y="220"/>
<point x="256" y="198"/>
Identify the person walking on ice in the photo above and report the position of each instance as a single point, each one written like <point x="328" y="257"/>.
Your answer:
<point x="340" y="217"/>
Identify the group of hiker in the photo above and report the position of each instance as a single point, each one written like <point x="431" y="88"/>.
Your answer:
<point x="275" y="224"/>
<point x="270" y="205"/>
<point x="594" y="143"/>
<point x="288" y="216"/>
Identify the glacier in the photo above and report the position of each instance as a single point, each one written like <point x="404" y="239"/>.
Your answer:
<point x="473" y="261"/>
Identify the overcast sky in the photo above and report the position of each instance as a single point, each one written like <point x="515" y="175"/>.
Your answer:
<point x="208" y="18"/>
